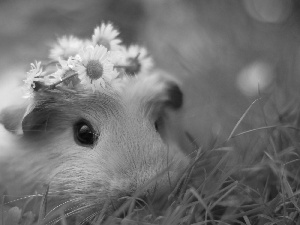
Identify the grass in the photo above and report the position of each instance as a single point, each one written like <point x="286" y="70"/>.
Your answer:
<point x="249" y="179"/>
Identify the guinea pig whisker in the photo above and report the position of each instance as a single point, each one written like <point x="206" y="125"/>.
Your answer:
<point x="105" y="207"/>
<point x="19" y="199"/>
<point x="88" y="217"/>
<point x="192" y="140"/>
<point x="73" y="212"/>
<point x="60" y="205"/>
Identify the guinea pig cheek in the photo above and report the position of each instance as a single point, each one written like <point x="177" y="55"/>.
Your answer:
<point x="127" y="173"/>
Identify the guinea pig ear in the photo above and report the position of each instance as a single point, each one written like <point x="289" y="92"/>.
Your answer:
<point x="163" y="92"/>
<point x="11" y="118"/>
<point x="174" y="96"/>
<point x="39" y="118"/>
<point x="157" y="91"/>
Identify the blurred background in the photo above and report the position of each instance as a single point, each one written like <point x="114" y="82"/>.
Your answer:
<point x="225" y="53"/>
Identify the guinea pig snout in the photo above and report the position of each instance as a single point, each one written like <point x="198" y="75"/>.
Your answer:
<point x="146" y="171"/>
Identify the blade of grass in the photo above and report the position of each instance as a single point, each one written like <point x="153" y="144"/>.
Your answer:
<point x="247" y="221"/>
<point x="241" y="119"/>
<point x="208" y="221"/>
<point x="42" y="212"/>
<point x="201" y="201"/>
<point x="267" y="127"/>
<point x="289" y="190"/>
<point x="256" y="129"/>
<point x="231" y="188"/>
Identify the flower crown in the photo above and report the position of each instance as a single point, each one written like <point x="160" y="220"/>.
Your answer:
<point x="88" y="64"/>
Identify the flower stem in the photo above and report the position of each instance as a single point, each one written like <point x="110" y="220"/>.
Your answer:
<point x="52" y="86"/>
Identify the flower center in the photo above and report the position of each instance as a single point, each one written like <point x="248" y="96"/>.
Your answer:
<point x="134" y="66"/>
<point x="94" y="69"/>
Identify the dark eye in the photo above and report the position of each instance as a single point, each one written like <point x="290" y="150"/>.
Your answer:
<point x="84" y="134"/>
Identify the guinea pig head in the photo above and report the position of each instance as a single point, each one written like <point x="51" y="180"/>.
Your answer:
<point x="107" y="144"/>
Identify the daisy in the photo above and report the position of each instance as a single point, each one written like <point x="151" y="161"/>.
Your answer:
<point x="106" y="35"/>
<point x="95" y="67"/>
<point x="66" y="69"/>
<point x="33" y="76"/>
<point x="66" y="47"/>
<point x="136" y="60"/>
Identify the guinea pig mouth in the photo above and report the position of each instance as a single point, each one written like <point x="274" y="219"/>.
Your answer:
<point x="152" y="196"/>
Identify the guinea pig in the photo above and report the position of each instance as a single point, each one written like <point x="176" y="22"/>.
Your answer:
<point x="91" y="147"/>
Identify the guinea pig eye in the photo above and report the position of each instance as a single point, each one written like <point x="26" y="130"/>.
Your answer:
<point x="84" y="134"/>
